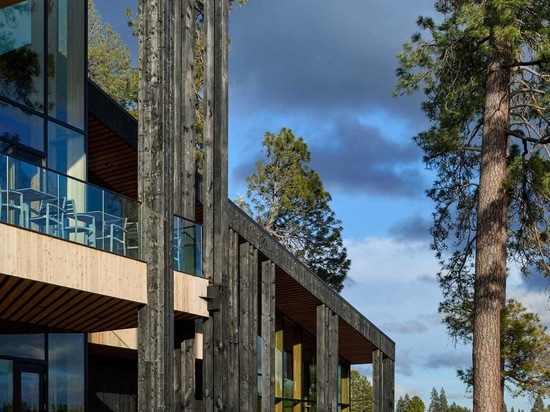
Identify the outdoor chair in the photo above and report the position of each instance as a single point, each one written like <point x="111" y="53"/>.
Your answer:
<point x="79" y="223"/>
<point x="113" y="237"/>
<point x="12" y="208"/>
<point x="50" y="217"/>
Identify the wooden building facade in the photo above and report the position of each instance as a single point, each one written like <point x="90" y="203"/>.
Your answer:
<point x="127" y="282"/>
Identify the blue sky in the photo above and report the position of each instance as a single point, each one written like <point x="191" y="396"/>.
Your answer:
<point x="325" y="69"/>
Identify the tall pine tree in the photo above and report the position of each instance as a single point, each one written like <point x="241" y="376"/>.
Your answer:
<point x="484" y="69"/>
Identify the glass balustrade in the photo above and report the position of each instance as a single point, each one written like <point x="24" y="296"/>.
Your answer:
<point x="48" y="202"/>
<point x="187" y="246"/>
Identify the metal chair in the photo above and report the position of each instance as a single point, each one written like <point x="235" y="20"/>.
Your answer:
<point x="114" y="236"/>
<point x="79" y="223"/>
<point x="50" y="217"/>
<point x="12" y="208"/>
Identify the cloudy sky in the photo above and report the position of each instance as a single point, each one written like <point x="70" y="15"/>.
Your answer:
<point x="325" y="69"/>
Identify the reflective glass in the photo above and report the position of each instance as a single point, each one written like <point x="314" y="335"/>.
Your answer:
<point x="6" y="385"/>
<point x="66" y="39"/>
<point x="19" y="127"/>
<point x="187" y="246"/>
<point x="66" y="371"/>
<point x="66" y="151"/>
<point x="22" y="52"/>
<point x="30" y="392"/>
<point x="30" y="346"/>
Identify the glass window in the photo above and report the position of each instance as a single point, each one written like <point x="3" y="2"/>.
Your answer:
<point x="66" y="151"/>
<point x="22" y="52"/>
<point x="6" y="385"/>
<point x="66" y="355"/>
<point x="18" y="127"/>
<point x="29" y="346"/>
<point x="66" y="39"/>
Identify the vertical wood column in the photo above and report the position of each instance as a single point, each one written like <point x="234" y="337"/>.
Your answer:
<point x="268" y="336"/>
<point x="185" y="104"/>
<point x="216" y="331"/>
<point x="377" y="379"/>
<point x="185" y="366"/>
<point x="183" y="199"/>
<point x="388" y="399"/>
<point x="155" y="160"/>
<point x="327" y="359"/>
<point x="248" y="319"/>
<point x="233" y="384"/>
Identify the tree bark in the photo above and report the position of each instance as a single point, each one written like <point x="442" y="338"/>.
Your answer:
<point x="490" y="263"/>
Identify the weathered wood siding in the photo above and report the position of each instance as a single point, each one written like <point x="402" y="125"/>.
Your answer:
<point x="268" y="335"/>
<point x="327" y="359"/>
<point x="215" y="229"/>
<point x="156" y="188"/>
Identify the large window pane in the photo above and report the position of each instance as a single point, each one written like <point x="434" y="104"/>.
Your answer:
<point x="66" y="151"/>
<point x="18" y="127"/>
<point x="29" y="346"/>
<point x="66" y="371"/>
<point x="66" y="37"/>
<point x="6" y="385"/>
<point x="22" y="52"/>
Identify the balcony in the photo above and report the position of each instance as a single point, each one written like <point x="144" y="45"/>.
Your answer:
<point x="47" y="202"/>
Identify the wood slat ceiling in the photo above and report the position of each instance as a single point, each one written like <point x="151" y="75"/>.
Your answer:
<point x="298" y="304"/>
<point x="35" y="303"/>
<point x="112" y="163"/>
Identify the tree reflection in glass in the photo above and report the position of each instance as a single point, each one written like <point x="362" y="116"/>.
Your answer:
<point x="21" y="48"/>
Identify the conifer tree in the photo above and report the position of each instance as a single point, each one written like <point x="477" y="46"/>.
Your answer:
<point x="484" y="70"/>
<point x="289" y="201"/>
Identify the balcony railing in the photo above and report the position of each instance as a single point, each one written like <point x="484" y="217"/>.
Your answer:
<point x="187" y="246"/>
<point x="50" y="203"/>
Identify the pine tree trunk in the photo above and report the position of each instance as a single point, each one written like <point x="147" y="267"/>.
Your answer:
<point x="490" y="264"/>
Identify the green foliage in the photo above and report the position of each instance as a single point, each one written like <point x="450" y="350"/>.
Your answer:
<point x="361" y="393"/>
<point x="109" y="62"/>
<point x="525" y="345"/>
<point x="289" y="201"/>
<point x="408" y="404"/>
<point x="438" y="401"/>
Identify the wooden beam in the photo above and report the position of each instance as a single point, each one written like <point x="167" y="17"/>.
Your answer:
<point x="268" y="336"/>
<point x="215" y="228"/>
<point x="234" y="328"/>
<point x="327" y="359"/>
<point x="155" y="164"/>
<point x="253" y="233"/>
<point x="377" y="381"/>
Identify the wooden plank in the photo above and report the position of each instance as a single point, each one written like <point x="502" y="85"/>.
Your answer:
<point x="388" y="385"/>
<point x="332" y="379"/>
<point x="156" y="187"/>
<point x="245" y="327"/>
<point x="268" y="336"/>
<point x="377" y="381"/>
<point x="215" y="198"/>
<point x="234" y="313"/>
<point x="253" y="331"/>
<point x="189" y="104"/>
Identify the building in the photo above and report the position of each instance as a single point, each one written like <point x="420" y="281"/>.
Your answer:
<point x="126" y="283"/>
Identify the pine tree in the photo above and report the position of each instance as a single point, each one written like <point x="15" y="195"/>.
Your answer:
<point x="361" y="393"/>
<point x="289" y="202"/>
<point x="484" y="72"/>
